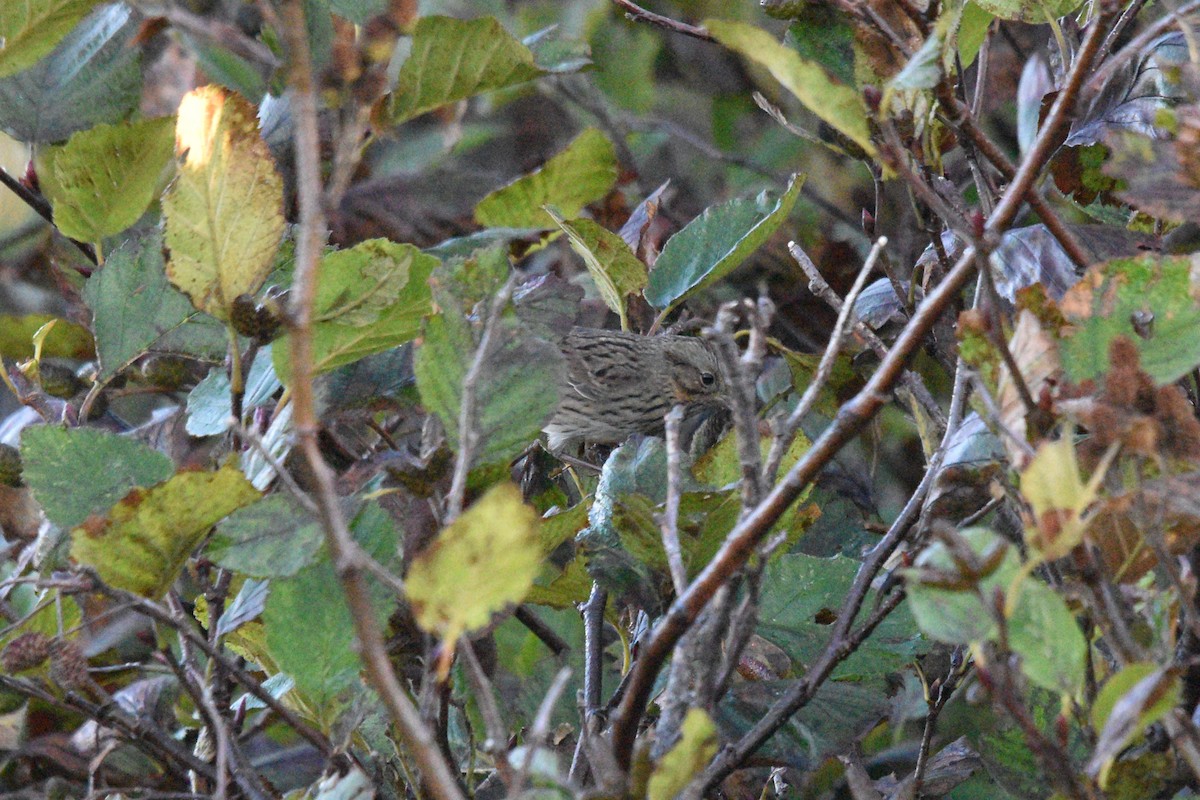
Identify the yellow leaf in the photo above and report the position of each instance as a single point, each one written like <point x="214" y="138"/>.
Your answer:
<point x="225" y="210"/>
<point x="143" y="542"/>
<point x="696" y="746"/>
<point x="483" y="561"/>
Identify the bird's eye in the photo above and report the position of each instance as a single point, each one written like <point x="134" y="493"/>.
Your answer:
<point x="707" y="378"/>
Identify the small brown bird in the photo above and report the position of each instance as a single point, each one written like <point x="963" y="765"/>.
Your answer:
<point x="618" y="384"/>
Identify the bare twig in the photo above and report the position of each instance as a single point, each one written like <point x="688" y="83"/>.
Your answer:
<point x="155" y="612"/>
<point x="852" y="417"/>
<point x="468" y="432"/>
<point x="945" y="687"/>
<point x="440" y="780"/>
<point x="670" y="515"/>
<point x="1136" y="46"/>
<point x="910" y="380"/>
<point x="739" y="387"/>
<point x="634" y="11"/>
<point x="42" y="207"/>
<point x="142" y="733"/>
<point x="787" y="433"/>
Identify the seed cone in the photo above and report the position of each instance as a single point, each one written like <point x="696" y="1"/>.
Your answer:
<point x="617" y="384"/>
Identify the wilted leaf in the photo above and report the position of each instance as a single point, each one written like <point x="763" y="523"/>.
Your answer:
<point x="1158" y="176"/>
<point x="453" y="59"/>
<point x="696" y="746"/>
<point x="92" y="76"/>
<point x="31" y="28"/>
<point x="974" y="460"/>
<point x="1032" y="255"/>
<point x="1148" y="300"/>
<point x="224" y="213"/>
<point x="1137" y="697"/>
<point x="715" y="243"/>
<point x="144" y="540"/>
<point x="485" y="560"/>
<point x="1035" y="352"/>
<point x="136" y="310"/>
<point x="616" y="271"/>
<point x="832" y="101"/>
<point x="246" y="606"/>
<point x="1140" y="88"/>
<point x="1118" y="524"/>
<point x="582" y="173"/>
<point x="103" y="179"/>
<point x="54" y="458"/>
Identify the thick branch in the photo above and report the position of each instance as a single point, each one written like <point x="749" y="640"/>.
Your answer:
<point x="851" y="418"/>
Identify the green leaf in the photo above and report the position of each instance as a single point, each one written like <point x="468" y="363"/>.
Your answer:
<point x="309" y="631"/>
<point x="224" y="213"/>
<point x="1035" y="12"/>
<point x="358" y="11"/>
<point x="229" y="69"/>
<point x="135" y="310"/>
<point x="1112" y="296"/>
<point x="972" y="30"/>
<point x="516" y="393"/>
<point x="801" y="592"/>
<point x="614" y="268"/>
<point x="696" y="746"/>
<point x="715" y="243"/>
<point x="103" y="179"/>
<point x="29" y="29"/>
<point x="582" y="173"/>
<point x="143" y="542"/>
<point x="372" y="297"/>
<point x="92" y="76"/>
<point x="210" y="404"/>
<point x="273" y="538"/>
<point x="454" y="59"/>
<point x="625" y="56"/>
<point x="65" y="340"/>
<point x="54" y="458"/>
<point x="832" y="101"/>
<point x="1041" y="629"/>
<point x="621" y="526"/>
<point x="493" y="549"/>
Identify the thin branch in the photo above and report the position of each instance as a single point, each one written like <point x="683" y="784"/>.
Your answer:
<point x="911" y="380"/>
<point x="1136" y="46"/>
<point x="155" y="612"/>
<point x="963" y="119"/>
<point x="670" y="517"/>
<point x="39" y="204"/>
<point x="739" y="388"/>
<point x="468" y="433"/>
<point x="787" y="434"/>
<point x="440" y="781"/>
<point x="142" y="733"/>
<point x="851" y="418"/>
<point x="634" y="11"/>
